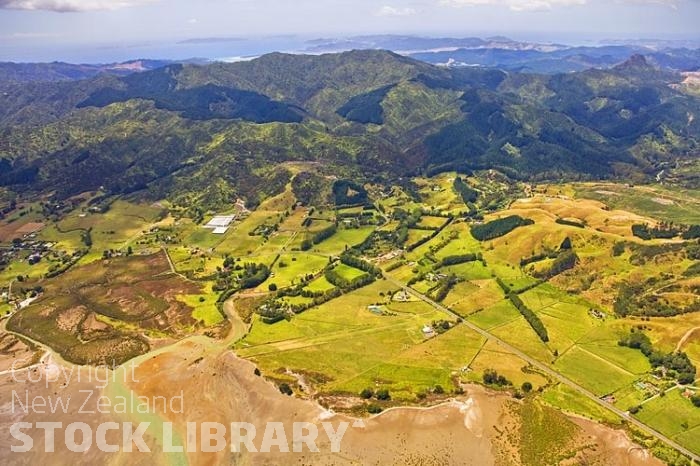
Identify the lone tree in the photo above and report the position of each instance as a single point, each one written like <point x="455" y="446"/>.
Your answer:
<point x="566" y="244"/>
<point x="367" y="393"/>
<point x="286" y="389"/>
<point x="527" y="387"/>
<point x="383" y="394"/>
<point x="695" y="400"/>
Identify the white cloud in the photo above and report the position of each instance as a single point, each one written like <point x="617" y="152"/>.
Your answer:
<point x="64" y="6"/>
<point x="546" y="5"/>
<point x="35" y="35"/>
<point x="393" y="11"/>
<point x="516" y="5"/>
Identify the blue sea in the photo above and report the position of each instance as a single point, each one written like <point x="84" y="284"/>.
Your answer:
<point x="228" y="49"/>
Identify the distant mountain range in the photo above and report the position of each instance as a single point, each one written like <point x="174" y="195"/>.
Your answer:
<point x="493" y="52"/>
<point x="206" y="135"/>
<point x="59" y="71"/>
<point x="508" y="54"/>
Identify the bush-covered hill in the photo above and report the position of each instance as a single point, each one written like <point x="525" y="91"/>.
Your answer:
<point x="212" y="133"/>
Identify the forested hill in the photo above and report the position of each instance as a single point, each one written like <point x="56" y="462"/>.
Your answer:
<point x="215" y="132"/>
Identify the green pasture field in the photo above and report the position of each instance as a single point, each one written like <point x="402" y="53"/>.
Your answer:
<point x="416" y="235"/>
<point x="439" y="192"/>
<point x="432" y="222"/>
<point x="519" y="333"/>
<point x="344" y="238"/>
<point x="320" y="284"/>
<point x="347" y="272"/>
<point x="562" y="397"/>
<point x="69" y="241"/>
<point x="22" y="267"/>
<point x="464" y="244"/>
<point x="492" y="356"/>
<point x="487" y="295"/>
<point x="593" y="372"/>
<point x="354" y="347"/>
<point x="630" y="396"/>
<point x="674" y="415"/>
<point x="497" y="315"/>
<point x="291" y="268"/>
<point x="468" y="271"/>
<point x="206" y="310"/>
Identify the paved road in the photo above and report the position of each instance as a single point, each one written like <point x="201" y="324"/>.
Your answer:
<point x="551" y="372"/>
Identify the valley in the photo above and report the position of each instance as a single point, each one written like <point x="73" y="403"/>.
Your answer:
<point x="388" y="302"/>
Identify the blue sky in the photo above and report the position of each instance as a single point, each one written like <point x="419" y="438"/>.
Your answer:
<point x="102" y="30"/>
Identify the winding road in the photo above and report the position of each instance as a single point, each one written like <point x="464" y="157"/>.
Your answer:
<point x="549" y="371"/>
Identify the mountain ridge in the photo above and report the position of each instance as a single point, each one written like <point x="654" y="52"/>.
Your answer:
<point x="222" y="131"/>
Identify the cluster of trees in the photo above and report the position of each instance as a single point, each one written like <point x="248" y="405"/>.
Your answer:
<point x="275" y="307"/>
<point x="530" y="316"/>
<point x="443" y="289"/>
<point x="351" y="260"/>
<point x="368" y="211"/>
<point x="571" y="223"/>
<point x="86" y="237"/>
<point x="642" y="253"/>
<point x="664" y="230"/>
<point x="695" y="399"/>
<point x="504" y="286"/>
<point x="10" y="175"/>
<point x="66" y="263"/>
<point x="538" y="257"/>
<point x="565" y="260"/>
<point x="271" y="315"/>
<point x="491" y="377"/>
<point x="110" y="253"/>
<point x="460" y="259"/>
<point x="441" y="326"/>
<point x="468" y="194"/>
<point x="619" y="248"/>
<point x="499" y="227"/>
<point x="692" y="271"/>
<point x="407" y="219"/>
<point x="225" y="278"/>
<point x="678" y="364"/>
<point x="286" y="389"/>
<point x="434" y="249"/>
<point x="381" y="394"/>
<point x="309" y="188"/>
<point x="9" y="207"/>
<point x="346" y="192"/>
<point x="253" y="275"/>
<point x="693" y="232"/>
<point x="632" y="300"/>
